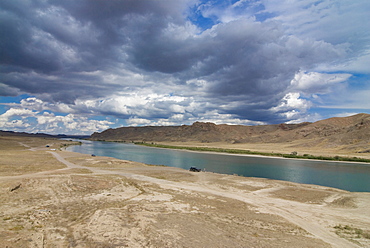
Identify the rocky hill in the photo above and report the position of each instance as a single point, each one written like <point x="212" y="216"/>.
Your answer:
<point x="352" y="131"/>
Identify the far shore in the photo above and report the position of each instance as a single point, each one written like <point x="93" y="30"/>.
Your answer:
<point x="262" y="156"/>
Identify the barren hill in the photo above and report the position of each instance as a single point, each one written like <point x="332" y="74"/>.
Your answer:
<point x="351" y="132"/>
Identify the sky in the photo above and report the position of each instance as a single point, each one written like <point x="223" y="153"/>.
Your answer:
<point x="83" y="66"/>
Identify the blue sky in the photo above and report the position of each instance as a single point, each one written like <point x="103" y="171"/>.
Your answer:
<point x="81" y="66"/>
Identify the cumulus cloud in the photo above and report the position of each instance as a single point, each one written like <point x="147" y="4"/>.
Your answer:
<point x="16" y="118"/>
<point x="23" y="117"/>
<point x="317" y="83"/>
<point x="292" y="107"/>
<point x="173" y="62"/>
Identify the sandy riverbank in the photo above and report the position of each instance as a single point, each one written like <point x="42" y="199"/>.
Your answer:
<point x="62" y="199"/>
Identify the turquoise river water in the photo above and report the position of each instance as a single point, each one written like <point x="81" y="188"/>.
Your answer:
<point x="353" y="177"/>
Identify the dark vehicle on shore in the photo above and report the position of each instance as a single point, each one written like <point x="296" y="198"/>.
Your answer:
<point x="195" y="169"/>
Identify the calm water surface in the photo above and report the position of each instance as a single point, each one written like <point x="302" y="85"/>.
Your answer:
<point x="347" y="176"/>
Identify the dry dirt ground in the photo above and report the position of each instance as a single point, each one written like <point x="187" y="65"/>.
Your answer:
<point x="53" y="198"/>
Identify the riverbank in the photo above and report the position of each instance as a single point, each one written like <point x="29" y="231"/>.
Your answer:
<point x="233" y="151"/>
<point x="58" y="198"/>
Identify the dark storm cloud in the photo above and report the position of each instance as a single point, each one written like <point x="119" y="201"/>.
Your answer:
<point x="67" y="51"/>
<point x="258" y="60"/>
<point x="73" y="36"/>
<point x="17" y="47"/>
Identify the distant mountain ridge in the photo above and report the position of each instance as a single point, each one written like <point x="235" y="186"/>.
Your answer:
<point x="24" y="134"/>
<point x="42" y="135"/>
<point x="352" y="131"/>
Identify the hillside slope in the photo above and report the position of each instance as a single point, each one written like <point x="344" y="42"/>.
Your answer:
<point x="353" y="132"/>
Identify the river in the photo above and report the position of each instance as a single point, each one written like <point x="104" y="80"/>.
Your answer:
<point x="353" y="177"/>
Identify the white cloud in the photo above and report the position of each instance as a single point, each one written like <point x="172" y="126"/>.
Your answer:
<point x="15" y="118"/>
<point x="292" y="100"/>
<point x="179" y="119"/>
<point x="19" y="118"/>
<point x="36" y="104"/>
<point x="292" y="107"/>
<point x="143" y="104"/>
<point x="349" y="99"/>
<point x="315" y="82"/>
<point x="18" y="112"/>
<point x="359" y="64"/>
<point x="329" y="20"/>
<point x="138" y="121"/>
<point x="342" y="22"/>
<point x="306" y="118"/>
<point x="218" y="118"/>
<point x="346" y="114"/>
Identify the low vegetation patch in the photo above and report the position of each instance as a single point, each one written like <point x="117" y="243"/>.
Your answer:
<point x="350" y="232"/>
<point x="239" y="151"/>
